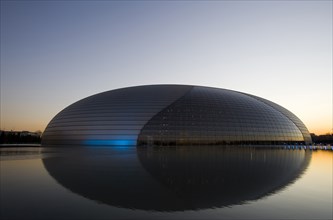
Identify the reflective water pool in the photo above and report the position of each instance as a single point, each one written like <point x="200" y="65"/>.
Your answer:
<point x="150" y="183"/>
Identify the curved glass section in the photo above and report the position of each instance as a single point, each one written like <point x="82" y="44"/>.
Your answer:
<point x="216" y="116"/>
<point x="291" y="116"/>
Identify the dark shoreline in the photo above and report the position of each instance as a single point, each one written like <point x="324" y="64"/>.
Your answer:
<point x="20" y="145"/>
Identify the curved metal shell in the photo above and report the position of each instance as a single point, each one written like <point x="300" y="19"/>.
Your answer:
<point x="174" y="115"/>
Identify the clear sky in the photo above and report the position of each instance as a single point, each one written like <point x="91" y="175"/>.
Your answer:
<point x="54" y="53"/>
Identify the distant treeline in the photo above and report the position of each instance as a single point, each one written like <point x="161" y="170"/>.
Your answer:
<point x="322" y="139"/>
<point x="20" y="137"/>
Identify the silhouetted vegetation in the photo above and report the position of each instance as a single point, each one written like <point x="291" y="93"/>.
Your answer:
<point x="20" y="137"/>
<point x="322" y="139"/>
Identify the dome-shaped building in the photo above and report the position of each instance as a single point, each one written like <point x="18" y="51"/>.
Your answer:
<point x="174" y="115"/>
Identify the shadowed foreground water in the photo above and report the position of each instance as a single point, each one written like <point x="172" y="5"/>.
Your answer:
<point x="184" y="182"/>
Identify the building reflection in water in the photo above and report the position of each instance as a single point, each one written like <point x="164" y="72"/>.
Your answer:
<point x="178" y="178"/>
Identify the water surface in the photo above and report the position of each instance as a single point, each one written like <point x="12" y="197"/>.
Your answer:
<point x="149" y="183"/>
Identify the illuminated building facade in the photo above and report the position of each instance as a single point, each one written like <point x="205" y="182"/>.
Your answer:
<point x="167" y="115"/>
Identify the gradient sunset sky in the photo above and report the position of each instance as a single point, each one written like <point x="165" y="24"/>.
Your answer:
<point x="54" y="53"/>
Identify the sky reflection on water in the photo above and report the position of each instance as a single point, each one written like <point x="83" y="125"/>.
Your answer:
<point x="167" y="183"/>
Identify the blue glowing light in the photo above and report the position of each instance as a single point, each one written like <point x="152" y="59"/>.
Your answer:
<point x="116" y="143"/>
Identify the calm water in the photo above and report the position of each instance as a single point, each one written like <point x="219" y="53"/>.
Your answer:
<point x="186" y="183"/>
